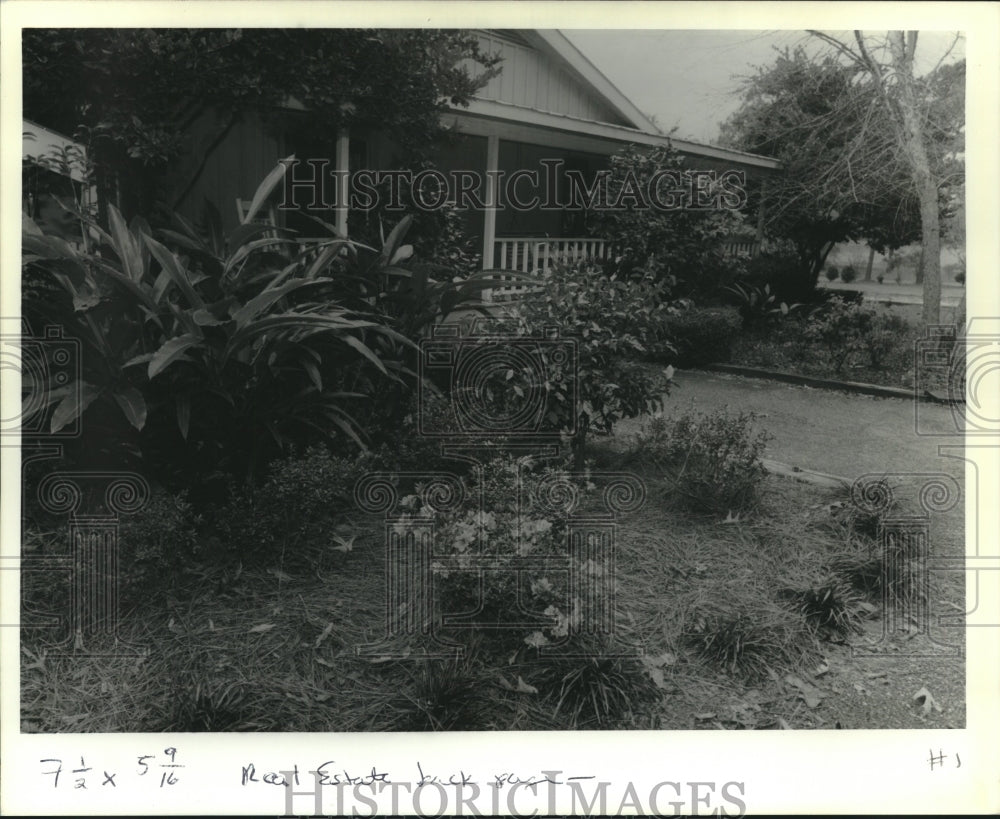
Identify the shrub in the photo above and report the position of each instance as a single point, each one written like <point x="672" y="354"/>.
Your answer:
<point x="700" y="336"/>
<point x="846" y="329"/>
<point x="611" y="320"/>
<point x="680" y="244"/>
<point x="295" y="509"/>
<point x="832" y="272"/>
<point x="742" y="641"/>
<point x="711" y="461"/>
<point x="960" y="277"/>
<point x="848" y="274"/>
<point x="783" y="274"/>
<point x="156" y="544"/>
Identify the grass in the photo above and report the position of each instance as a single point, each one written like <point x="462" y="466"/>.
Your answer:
<point x="716" y="606"/>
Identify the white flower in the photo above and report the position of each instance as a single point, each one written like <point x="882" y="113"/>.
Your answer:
<point x="536" y="639"/>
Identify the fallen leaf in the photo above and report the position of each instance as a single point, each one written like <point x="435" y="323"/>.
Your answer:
<point x="783" y="724"/>
<point x="705" y="717"/>
<point x="321" y="661"/>
<point x="731" y="518"/>
<point x="524" y="688"/>
<point x="261" y="628"/>
<point x="283" y="576"/>
<point x="345" y="545"/>
<point x="326" y="633"/>
<point x="923" y="698"/>
<point x="323" y="697"/>
<point x="666" y="658"/>
<point x="656" y="675"/>
<point x="821" y="669"/>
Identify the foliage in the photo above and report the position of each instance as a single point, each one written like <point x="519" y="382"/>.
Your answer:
<point x="757" y="305"/>
<point x="156" y="544"/>
<point x="222" y="359"/>
<point x="216" y="358"/>
<point x="504" y="514"/>
<point x="676" y="245"/>
<point x="294" y="510"/>
<point x="133" y="93"/>
<point x="844" y="176"/>
<point x="845" y="330"/>
<point x="781" y="271"/>
<point x="711" y="461"/>
<point x="700" y="335"/>
<point x="848" y="274"/>
<point x="611" y="320"/>
<point x="832" y="272"/>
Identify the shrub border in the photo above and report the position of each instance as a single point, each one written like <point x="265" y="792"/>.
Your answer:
<point x="856" y="387"/>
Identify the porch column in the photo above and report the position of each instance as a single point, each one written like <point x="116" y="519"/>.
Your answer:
<point x="343" y="146"/>
<point x="759" y="239"/>
<point x="490" y="216"/>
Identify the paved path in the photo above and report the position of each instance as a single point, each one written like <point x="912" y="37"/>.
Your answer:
<point x="823" y="430"/>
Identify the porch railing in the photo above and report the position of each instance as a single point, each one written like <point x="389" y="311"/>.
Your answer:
<point x="531" y="255"/>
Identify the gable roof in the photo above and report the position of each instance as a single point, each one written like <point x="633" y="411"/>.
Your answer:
<point x="546" y="81"/>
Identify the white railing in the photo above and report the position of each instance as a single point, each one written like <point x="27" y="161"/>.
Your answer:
<point x="745" y="249"/>
<point x="532" y="255"/>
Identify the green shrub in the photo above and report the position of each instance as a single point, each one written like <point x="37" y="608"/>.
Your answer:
<point x="156" y="544"/>
<point x="711" y="461"/>
<point x="295" y="509"/>
<point x="848" y="274"/>
<point x="700" y="336"/>
<point x="612" y="320"/>
<point x="783" y="274"/>
<point x="832" y="272"/>
<point x="846" y="331"/>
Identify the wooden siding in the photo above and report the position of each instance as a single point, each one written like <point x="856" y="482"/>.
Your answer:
<point x="234" y="168"/>
<point x="531" y="79"/>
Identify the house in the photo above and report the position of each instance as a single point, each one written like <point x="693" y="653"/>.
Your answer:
<point x="549" y="111"/>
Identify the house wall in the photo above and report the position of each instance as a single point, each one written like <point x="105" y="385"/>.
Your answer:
<point x="234" y="167"/>
<point x="532" y="79"/>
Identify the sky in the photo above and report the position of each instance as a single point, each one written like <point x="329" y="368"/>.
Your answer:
<point x="689" y="79"/>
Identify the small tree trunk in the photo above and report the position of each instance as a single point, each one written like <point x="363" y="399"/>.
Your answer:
<point x="920" y="266"/>
<point x="912" y="139"/>
<point x="871" y="261"/>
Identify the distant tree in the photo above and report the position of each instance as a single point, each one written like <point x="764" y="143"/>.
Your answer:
<point x="926" y="121"/>
<point x="844" y="177"/>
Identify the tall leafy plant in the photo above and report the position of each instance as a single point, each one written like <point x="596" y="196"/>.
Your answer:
<point x="220" y="358"/>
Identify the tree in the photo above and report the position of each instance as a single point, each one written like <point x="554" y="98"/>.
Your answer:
<point x="132" y="93"/>
<point x="844" y="177"/>
<point x="905" y="100"/>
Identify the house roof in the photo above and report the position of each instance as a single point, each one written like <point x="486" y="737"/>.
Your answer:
<point x="622" y="122"/>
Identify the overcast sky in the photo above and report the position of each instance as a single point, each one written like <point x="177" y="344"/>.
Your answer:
<point x="688" y="78"/>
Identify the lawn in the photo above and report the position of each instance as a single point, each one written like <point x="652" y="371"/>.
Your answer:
<point x="747" y="620"/>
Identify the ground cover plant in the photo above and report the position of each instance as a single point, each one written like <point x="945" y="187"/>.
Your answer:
<point x="734" y="612"/>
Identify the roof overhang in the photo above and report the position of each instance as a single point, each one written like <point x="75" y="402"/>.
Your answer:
<point x="485" y="117"/>
<point x="37" y="142"/>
